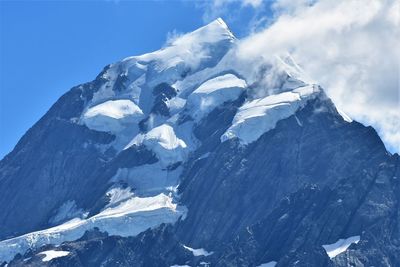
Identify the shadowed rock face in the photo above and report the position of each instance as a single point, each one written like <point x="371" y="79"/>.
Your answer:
<point x="46" y="168"/>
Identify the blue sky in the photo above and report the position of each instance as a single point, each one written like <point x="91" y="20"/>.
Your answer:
<point x="47" y="47"/>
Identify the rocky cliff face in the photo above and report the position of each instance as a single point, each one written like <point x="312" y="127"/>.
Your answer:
<point x="192" y="156"/>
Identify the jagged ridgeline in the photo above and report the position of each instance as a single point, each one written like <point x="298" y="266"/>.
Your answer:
<point x="195" y="156"/>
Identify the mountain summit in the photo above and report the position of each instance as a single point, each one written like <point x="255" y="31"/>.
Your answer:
<point x="193" y="156"/>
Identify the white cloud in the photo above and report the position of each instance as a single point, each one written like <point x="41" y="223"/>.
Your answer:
<point x="351" y="47"/>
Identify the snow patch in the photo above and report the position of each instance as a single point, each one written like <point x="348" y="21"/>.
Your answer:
<point x="220" y="82"/>
<point x="52" y="254"/>
<point x="340" y="246"/>
<point x="112" y="116"/>
<point x="213" y="93"/>
<point x="199" y="251"/>
<point x="259" y="116"/>
<point x="164" y="143"/>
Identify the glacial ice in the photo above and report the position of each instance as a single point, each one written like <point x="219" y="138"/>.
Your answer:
<point x="258" y="116"/>
<point x="112" y="116"/>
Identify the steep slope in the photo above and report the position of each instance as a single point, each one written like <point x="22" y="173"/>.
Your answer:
<point x="190" y="156"/>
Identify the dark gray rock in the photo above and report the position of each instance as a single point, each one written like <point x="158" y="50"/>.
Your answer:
<point x="162" y="93"/>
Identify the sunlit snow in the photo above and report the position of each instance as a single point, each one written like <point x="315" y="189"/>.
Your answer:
<point x="52" y="254"/>
<point x="163" y="141"/>
<point x="213" y="93"/>
<point x="112" y="116"/>
<point x="340" y="246"/>
<point x="258" y="116"/>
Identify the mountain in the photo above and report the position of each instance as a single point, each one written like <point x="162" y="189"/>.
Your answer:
<point x="195" y="156"/>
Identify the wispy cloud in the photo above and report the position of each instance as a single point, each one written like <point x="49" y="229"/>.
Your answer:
<point x="172" y="36"/>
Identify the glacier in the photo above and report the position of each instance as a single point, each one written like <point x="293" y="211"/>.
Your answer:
<point x="112" y="116"/>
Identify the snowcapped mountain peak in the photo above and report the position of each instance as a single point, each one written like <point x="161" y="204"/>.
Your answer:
<point x="215" y="31"/>
<point x="157" y="102"/>
<point x="191" y="151"/>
